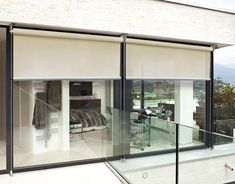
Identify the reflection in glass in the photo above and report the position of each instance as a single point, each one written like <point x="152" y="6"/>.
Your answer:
<point x="224" y="94"/>
<point x="224" y="109"/>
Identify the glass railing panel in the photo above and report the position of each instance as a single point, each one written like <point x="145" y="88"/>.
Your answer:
<point x="151" y="164"/>
<point x="36" y="127"/>
<point x="191" y="137"/>
<point x="60" y="130"/>
<point x="221" y="139"/>
<point x="149" y="133"/>
<point x="3" y="152"/>
<point x="198" y="162"/>
<point x="151" y="169"/>
<point x="3" y="136"/>
<point x="225" y="128"/>
<point x="206" y="165"/>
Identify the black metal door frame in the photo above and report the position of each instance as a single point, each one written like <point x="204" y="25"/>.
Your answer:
<point x="9" y="100"/>
<point x="6" y="170"/>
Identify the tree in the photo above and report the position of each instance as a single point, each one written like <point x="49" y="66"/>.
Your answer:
<point x="168" y="89"/>
<point x="224" y="99"/>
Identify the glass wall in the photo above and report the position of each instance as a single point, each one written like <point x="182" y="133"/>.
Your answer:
<point x="2" y="98"/>
<point x="56" y="121"/>
<point x="63" y="100"/>
<point x="224" y="94"/>
<point x="64" y="97"/>
<point x="166" y="102"/>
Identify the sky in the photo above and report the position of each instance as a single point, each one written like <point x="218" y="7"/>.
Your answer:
<point x="221" y="4"/>
<point x="223" y="56"/>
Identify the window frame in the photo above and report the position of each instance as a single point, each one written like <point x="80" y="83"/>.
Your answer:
<point x="122" y="99"/>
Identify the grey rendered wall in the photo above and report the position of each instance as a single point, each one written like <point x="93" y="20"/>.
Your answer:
<point x="147" y="17"/>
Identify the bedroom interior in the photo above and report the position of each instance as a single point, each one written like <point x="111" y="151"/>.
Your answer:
<point x="39" y="121"/>
<point x="73" y="120"/>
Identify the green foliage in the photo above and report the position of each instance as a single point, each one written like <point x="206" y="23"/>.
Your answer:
<point x="151" y="98"/>
<point x="199" y="90"/>
<point x="224" y="99"/>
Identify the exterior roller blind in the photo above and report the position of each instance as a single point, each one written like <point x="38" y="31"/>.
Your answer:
<point x="159" y="60"/>
<point x="56" y="55"/>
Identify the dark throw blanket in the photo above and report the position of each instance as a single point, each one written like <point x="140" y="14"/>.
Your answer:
<point x="90" y="120"/>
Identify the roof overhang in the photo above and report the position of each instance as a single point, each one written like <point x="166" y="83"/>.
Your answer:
<point x="112" y="33"/>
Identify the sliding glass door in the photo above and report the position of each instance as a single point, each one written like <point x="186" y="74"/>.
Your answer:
<point x="165" y="102"/>
<point x="63" y="97"/>
<point x="168" y="86"/>
<point x="61" y="121"/>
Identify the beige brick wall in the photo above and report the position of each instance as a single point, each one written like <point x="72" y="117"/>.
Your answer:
<point x="147" y="17"/>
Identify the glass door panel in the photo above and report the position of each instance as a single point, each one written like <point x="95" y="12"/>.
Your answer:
<point x="60" y="121"/>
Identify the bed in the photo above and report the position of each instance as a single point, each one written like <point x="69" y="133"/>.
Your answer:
<point x="88" y="119"/>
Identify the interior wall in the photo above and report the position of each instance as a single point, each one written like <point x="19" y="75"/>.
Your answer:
<point x="103" y="89"/>
<point x="2" y="83"/>
<point x="99" y="91"/>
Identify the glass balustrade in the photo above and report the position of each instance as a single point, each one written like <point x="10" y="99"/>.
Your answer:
<point x="57" y="126"/>
<point x="208" y="165"/>
<point x="188" y="154"/>
<point x="143" y="146"/>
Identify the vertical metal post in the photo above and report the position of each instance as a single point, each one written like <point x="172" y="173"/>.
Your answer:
<point x="177" y="154"/>
<point x="209" y="127"/>
<point x="122" y="102"/>
<point x="9" y="99"/>
<point x="207" y="135"/>
<point x="123" y="70"/>
<point x="125" y="96"/>
<point x="212" y="97"/>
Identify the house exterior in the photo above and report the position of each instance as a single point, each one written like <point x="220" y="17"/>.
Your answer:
<point x="85" y="81"/>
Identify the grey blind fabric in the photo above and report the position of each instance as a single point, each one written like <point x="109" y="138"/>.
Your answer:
<point x="56" y="55"/>
<point x="159" y="60"/>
